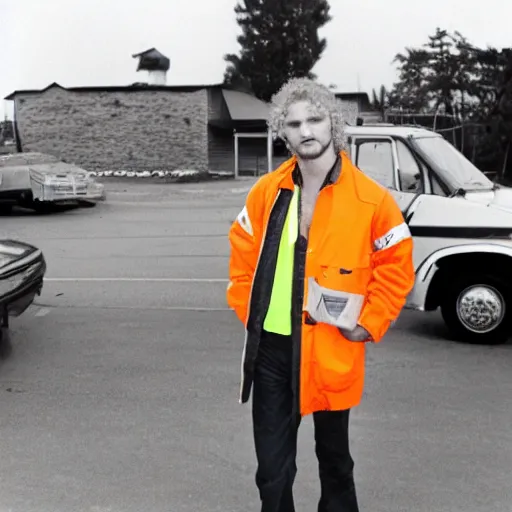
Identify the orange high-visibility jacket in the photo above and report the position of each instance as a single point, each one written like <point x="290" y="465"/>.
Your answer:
<point x="358" y="227"/>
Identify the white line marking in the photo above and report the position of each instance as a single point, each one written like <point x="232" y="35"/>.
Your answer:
<point x="138" y="279"/>
<point x="42" y="312"/>
<point x="139" y="308"/>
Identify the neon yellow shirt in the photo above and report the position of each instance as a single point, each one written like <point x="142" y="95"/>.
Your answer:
<point x="279" y="315"/>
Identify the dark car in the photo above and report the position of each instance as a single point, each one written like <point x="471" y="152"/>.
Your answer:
<point x="22" y="270"/>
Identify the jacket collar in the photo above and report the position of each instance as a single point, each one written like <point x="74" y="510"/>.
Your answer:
<point x="291" y="176"/>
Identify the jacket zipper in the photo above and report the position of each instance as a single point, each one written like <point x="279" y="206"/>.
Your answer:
<point x="297" y="323"/>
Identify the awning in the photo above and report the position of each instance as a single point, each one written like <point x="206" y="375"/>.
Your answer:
<point x="244" y="107"/>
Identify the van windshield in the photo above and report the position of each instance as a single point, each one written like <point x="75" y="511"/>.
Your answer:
<point x="452" y="164"/>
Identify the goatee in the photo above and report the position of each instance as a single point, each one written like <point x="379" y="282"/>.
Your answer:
<point x="312" y="156"/>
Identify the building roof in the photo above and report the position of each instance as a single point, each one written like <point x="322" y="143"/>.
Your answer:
<point x="245" y="107"/>
<point x="347" y="95"/>
<point x="117" y="88"/>
<point x="242" y="106"/>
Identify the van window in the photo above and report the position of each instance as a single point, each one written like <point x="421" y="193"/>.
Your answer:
<point x="452" y="164"/>
<point x="437" y="189"/>
<point x="375" y="158"/>
<point x="408" y="169"/>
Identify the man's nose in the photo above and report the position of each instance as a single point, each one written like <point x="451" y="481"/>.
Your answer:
<point x="305" y="130"/>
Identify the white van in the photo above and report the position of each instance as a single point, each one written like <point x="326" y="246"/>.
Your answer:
<point x="461" y="223"/>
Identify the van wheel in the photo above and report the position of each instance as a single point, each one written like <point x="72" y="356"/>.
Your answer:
<point x="478" y="309"/>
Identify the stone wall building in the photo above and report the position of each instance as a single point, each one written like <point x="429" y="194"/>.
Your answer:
<point x="142" y="126"/>
<point x="153" y="126"/>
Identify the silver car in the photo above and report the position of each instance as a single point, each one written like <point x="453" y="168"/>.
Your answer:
<point x="39" y="181"/>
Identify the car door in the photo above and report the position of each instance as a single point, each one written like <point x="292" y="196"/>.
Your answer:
<point x="391" y="163"/>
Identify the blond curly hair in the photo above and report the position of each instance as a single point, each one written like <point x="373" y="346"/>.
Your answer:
<point x="300" y="89"/>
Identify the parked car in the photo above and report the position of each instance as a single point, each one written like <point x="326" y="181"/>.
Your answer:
<point x="461" y="224"/>
<point x="41" y="182"/>
<point x="22" y="270"/>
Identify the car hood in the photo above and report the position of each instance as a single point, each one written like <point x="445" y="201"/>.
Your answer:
<point x="16" y="249"/>
<point x="500" y="198"/>
<point x="39" y="163"/>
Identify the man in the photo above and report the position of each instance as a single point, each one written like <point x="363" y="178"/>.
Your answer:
<point x="321" y="262"/>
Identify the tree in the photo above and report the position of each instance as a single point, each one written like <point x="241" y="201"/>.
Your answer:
<point x="442" y="68"/>
<point x="473" y="86"/>
<point x="438" y="76"/>
<point x="380" y="101"/>
<point x="501" y="114"/>
<point x="279" y="41"/>
<point x="410" y="91"/>
<point x="489" y="71"/>
<point x="6" y="130"/>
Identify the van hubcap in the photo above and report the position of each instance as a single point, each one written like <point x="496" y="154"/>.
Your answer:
<point x="481" y="308"/>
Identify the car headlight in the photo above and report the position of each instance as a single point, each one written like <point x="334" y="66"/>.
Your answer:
<point x="5" y="259"/>
<point x="9" y="253"/>
<point x="9" y="284"/>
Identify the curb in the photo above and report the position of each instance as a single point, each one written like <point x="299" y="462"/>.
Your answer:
<point x="166" y="177"/>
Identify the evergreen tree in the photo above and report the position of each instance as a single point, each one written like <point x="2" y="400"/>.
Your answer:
<point x="279" y="41"/>
<point x="410" y="91"/>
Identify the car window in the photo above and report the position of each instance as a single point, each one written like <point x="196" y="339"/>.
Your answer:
<point x="375" y="158"/>
<point x="408" y="169"/>
<point x="15" y="159"/>
<point x="437" y="189"/>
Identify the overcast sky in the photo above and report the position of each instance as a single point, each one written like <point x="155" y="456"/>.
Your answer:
<point x="90" y="42"/>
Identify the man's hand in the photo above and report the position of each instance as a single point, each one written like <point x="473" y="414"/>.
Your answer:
<point x="357" y="334"/>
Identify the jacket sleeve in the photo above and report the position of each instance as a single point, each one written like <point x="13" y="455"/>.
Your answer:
<point x="245" y="239"/>
<point x="393" y="269"/>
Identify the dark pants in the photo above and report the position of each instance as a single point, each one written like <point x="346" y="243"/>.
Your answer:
<point x="275" y="436"/>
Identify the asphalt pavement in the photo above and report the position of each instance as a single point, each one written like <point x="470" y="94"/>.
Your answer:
<point x="119" y="390"/>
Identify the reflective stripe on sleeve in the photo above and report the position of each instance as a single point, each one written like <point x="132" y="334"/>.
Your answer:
<point x="245" y="222"/>
<point x="392" y="237"/>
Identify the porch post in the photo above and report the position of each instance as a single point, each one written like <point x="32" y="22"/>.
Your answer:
<point x="235" y="140"/>
<point x="269" y="150"/>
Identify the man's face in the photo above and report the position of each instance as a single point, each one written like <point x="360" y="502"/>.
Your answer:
<point x="307" y="130"/>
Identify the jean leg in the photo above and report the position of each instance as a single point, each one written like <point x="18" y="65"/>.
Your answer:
<point x="275" y="430"/>
<point x="338" y="492"/>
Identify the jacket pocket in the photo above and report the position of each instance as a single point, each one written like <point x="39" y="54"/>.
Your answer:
<point x="347" y="276"/>
<point x="335" y="360"/>
<point x="335" y="295"/>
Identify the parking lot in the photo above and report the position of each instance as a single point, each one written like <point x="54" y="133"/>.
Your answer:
<point x="119" y="392"/>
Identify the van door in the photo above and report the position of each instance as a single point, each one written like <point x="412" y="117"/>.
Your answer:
<point x="378" y="157"/>
<point x="390" y="163"/>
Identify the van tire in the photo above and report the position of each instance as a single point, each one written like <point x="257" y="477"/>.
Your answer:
<point x="478" y="309"/>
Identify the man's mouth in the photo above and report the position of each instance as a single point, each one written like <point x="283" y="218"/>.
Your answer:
<point x="307" y="141"/>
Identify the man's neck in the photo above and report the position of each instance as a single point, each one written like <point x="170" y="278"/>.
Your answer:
<point x="315" y="171"/>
